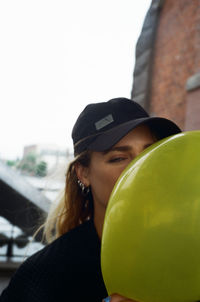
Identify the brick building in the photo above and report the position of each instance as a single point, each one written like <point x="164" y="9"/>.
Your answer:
<point x="167" y="70"/>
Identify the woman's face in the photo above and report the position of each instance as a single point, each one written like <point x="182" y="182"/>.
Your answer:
<point x="106" y="167"/>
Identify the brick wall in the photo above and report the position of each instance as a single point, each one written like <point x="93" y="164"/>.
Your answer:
<point x="176" y="58"/>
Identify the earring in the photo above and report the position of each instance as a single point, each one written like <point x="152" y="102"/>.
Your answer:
<point x="85" y="190"/>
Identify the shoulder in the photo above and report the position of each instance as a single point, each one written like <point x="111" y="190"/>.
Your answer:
<point x="82" y="237"/>
<point x="67" y="247"/>
<point x="57" y="263"/>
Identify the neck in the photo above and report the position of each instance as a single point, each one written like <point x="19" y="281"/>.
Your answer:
<point x="99" y="215"/>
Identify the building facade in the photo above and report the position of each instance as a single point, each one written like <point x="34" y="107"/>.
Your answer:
<point x="167" y="70"/>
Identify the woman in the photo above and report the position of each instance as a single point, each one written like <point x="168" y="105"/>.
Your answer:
<point x="106" y="137"/>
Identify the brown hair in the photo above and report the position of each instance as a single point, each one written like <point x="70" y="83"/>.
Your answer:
<point x="73" y="207"/>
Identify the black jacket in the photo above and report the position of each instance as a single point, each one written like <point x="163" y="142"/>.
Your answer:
<point x="66" y="270"/>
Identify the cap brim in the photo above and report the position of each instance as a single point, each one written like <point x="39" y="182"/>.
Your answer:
<point x="160" y="126"/>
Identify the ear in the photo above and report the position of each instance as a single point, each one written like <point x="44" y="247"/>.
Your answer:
<point x="82" y="174"/>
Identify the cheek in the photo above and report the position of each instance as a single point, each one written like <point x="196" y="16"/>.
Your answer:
<point x="102" y="184"/>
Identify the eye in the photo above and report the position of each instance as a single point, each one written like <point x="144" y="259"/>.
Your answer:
<point x="116" y="159"/>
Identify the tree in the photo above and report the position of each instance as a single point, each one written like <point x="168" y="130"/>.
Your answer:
<point x="28" y="164"/>
<point x="41" y="169"/>
<point x="11" y="163"/>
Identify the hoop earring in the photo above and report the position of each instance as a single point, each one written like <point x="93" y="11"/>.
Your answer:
<point x="85" y="190"/>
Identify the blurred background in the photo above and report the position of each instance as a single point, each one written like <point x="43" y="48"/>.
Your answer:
<point x="58" y="56"/>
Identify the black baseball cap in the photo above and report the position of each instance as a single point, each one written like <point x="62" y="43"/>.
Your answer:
<point x="102" y="125"/>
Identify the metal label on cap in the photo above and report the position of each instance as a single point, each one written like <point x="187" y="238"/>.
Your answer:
<point x="104" y="122"/>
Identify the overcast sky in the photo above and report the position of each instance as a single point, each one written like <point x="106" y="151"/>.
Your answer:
<point x="58" y="56"/>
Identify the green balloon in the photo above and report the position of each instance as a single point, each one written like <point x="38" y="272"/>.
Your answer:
<point x="151" y="235"/>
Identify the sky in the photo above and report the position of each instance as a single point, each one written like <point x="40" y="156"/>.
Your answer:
<point x="56" y="56"/>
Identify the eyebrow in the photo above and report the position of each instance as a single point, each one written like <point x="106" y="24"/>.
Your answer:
<point x="124" y="148"/>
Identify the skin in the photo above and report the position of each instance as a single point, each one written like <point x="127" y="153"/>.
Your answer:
<point x="105" y="169"/>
